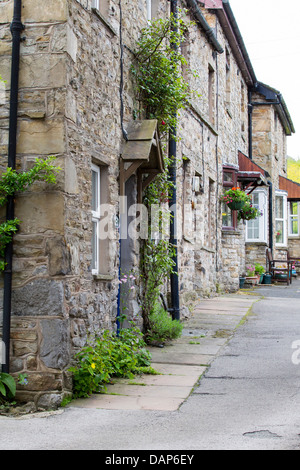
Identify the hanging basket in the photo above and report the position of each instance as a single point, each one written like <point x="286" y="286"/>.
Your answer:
<point x="236" y="205"/>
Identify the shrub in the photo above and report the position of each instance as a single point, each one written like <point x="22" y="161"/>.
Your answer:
<point x="110" y="356"/>
<point x="259" y="269"/>
<point x="162" y="327"/>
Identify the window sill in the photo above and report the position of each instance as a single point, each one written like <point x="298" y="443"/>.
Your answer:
<point x="104" y="21"/>
<point x="103" y="277"/>
<point x="231" y="231"/>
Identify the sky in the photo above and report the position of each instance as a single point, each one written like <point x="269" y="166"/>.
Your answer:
<point x="271" y="33"/>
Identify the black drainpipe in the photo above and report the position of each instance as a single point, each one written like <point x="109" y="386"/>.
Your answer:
<point x="172" y="203"/>
<point x="270" y="215"/>
<point x="16" y="28"/>
<point x="250" y="109"/>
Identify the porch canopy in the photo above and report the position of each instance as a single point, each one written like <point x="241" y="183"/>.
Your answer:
<point x="250" y="174"/>
<point x="141" y="154"/>
<point x="292" y="188"/>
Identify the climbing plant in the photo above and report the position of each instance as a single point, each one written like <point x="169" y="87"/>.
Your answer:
<point x="162" y="92"/>
<point x="157" y="68"/>
<point x="157" y="253"/>
<point x="11" y="183"/>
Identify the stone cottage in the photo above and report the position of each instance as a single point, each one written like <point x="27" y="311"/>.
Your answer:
<point x="76" y="101"/>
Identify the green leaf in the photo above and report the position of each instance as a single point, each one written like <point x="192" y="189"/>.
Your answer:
<point x="8" y="380"/>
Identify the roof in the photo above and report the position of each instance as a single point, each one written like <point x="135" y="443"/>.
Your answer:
<point x="250" y="173"/>
<point x="233" y="35"/>
<point x="274" y="97"/>
<point x="292" y="188"/>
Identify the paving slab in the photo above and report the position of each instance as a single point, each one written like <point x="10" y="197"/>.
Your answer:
<point x="115" y="402"/>
<point x="142" y="390"/>
<point x="181" y="363"/>
<point x="178" y="369"/>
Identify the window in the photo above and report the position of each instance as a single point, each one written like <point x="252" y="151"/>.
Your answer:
<point x="152" y="8"/>
<point x="293" y="228"/>
<point x="149" y="12"/>
<point x="211" y="94"/>
<point x="256" y="229"/>
<point x="228" y="79"/>
<point x="229" y="218"/>
<point x="95" y="217"/>
<point x="280" y="218"/>
<point x="102" y="6"/>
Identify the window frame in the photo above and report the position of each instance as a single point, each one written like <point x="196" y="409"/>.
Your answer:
<point x="96" y="4"/>
<point x="227" y="185"/>
<point x="149" y="10"/>
<point x="262" y="220"/>
<point x="283" y="195"/>
<point x="292" y="217"/>
<point x="96" y="219"/>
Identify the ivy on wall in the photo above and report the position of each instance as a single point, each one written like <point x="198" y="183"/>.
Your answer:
<point x="12" y="182"/>
<point x="162" y="92"/>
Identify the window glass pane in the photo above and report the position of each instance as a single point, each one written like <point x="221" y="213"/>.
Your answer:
<point x="226" y="216"/>
<point x="279" y="231"/>
<point x="294" y="226"/>
<point x="253" y="229"/>
<point x="279" y="207"/>
<point x="228" y="177"/>
<point x="294" y="208"/>
<point x="95" y="191"/>
<point x="94" y="246"/>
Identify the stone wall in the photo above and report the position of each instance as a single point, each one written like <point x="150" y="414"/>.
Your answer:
<point x="71" y="104"/>
<point x="269" y="151"/>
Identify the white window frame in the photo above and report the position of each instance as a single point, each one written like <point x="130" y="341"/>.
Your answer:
<point x="292" y="217"/>
<point x="149" y="10"/>
<point x="96" y="219"/>
<point x="96" y="4"/>
<point x="261" y="220"/>
<point x="283" y="219"/>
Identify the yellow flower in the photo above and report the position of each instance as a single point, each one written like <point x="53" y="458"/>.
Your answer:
<point x="93" y="365"/>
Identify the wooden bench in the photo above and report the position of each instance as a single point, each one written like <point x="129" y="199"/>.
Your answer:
<point x="276" y="269"/>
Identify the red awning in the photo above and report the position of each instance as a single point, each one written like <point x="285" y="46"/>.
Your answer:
<point x="292" y="188"/>
<point x="251" y="174"/>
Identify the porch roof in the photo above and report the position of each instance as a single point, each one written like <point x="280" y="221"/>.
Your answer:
<point x="251" y="174"/>
<point x="141" y="154"/>
<point x="292" y="188"/>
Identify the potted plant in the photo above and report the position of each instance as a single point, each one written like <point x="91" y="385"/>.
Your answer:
<point x="242" y="280"/>
<point x="250" y="270"/>
<point x="248" y="212"/>
<point x="259" y="270"/>
<point x="278" y="236"/>
<point x="235" y="198"/>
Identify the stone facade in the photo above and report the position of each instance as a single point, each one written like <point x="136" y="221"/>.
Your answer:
<point x="71" y="105"/>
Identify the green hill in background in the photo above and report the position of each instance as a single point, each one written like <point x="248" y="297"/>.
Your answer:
<point x="293" y="169"/>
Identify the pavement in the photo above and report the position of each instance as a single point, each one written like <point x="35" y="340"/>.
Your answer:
<point x="232" y="384"/>
<point x="182" y="363"/>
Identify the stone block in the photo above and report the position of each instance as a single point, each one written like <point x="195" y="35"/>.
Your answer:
<point x="59" y="256"/>
<point x="37" y="11"/>
<point x="20" y="348"/>
<point x="41" y="137"/>
<point x="42" y="70"/>
<point x="40" y="212"/>
<point x="54" y="349"/>
<point x="6" y="11"/>
<point x="39" y="297"/>
<point x="42" y="382"/>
